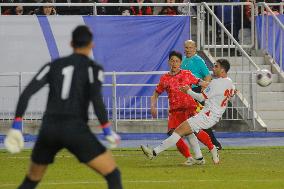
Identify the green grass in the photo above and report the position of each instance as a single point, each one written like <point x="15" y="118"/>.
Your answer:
<point x="240" y="168"/>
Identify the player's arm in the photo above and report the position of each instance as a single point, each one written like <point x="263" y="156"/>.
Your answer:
<point x="198" y="81"/>
<point x="39" y="80"/>
<point x="205" y="72"/>
<point x="154" y="99"/>
<point x="159" y="89"/>
<point x="14" y="142"/>
<point x="96" y="79"/>
<point x="197" y="96"/>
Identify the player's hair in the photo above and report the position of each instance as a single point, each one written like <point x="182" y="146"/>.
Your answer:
<point x="225" y="64"/>
<point x="81" y="36"/>
<point x="175" y="53"/>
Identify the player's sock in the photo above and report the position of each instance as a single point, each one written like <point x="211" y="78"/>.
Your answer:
<point x="169" y="142"/>
<point x="213" y="138"/>
<point x="195" y="146"/>
<point x="205" y="139"/>
<point x="114" y="179"/>
<point x="28" y="184"/>
<point x="183" y="148"/>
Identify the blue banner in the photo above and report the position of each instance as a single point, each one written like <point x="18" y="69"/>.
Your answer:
<point x="268" y="43"/>
<point x="136" y="43"/>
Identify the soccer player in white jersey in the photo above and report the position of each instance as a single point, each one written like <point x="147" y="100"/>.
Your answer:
<point x="216" y="97"/>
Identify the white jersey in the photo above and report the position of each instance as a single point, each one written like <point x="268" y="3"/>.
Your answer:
<point x="217" y="95"/>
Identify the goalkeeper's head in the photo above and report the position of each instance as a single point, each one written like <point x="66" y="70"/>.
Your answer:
<point x="82" y="39"/>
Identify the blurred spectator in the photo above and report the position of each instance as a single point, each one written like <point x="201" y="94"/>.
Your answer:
<point x="74" y="10"/>
<point x="30" y="10"/>
<point x="46" y="10"/>
<point x="169" y="10"/>
<point x="185" y="10"/>
<point x="18" y="10"/>
<point x="125" y="11"/>
<point x="141" y="10"/>
<point x="6" y="10"/>
<point x="275" y="9"/>
<point x="112" y="10"/>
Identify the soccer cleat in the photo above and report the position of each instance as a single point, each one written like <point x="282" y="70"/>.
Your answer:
<point x="190" y="161"/>
<point x="215" y="155"/>
<point x="200" y="161"/>
<point x="148" y="151"/>
<point x="219" y="147"/>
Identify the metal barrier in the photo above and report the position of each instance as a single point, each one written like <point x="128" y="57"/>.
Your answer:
<point x="118" y="108"/>
<point x="266" y="34"/>
<point x="209" y="25"/>
<point x="239" y="58"/>
<point x="278" y="6"/>
<point x="231" y="15"/>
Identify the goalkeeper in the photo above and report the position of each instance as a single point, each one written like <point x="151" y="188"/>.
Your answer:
<point x="73" y="82"/>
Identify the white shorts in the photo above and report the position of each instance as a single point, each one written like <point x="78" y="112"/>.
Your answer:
<point x="202" y="121"/>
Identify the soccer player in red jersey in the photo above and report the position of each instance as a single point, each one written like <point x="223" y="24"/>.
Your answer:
<point x="182" y="106"/>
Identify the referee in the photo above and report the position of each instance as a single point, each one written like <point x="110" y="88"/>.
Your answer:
<point x="193" y="62"/>
<point x="73" y="82"/>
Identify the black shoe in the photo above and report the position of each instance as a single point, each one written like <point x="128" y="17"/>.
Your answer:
<point x="219" y="147"/>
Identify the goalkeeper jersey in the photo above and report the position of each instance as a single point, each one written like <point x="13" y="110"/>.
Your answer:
<point x="73" y="82"/>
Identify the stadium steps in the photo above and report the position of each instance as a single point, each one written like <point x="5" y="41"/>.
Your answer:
<point x="269" y="100"/>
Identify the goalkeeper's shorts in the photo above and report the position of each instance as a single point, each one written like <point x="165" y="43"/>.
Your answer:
<point x="74" y="135"/>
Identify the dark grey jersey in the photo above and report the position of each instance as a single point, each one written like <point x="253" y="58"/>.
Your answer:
<point x="73" y="82"/>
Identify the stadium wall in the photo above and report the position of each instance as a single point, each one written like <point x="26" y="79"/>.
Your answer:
<point x="121" y="44"/>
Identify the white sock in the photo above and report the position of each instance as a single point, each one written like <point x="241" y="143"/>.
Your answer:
<point x="193" y="142"/>
<point x="169" y="142"/>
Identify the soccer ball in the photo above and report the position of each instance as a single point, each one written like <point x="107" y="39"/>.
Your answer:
<point x="263" y="77"/>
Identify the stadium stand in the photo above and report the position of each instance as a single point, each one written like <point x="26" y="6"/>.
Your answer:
<point x="211" y="25"/>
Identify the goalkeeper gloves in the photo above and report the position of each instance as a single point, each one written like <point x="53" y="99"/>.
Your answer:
<point x="14" y="141"/>
<point x="111" y="136"/>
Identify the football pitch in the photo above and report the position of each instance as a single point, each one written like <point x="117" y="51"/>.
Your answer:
<point x="240" y="168"/>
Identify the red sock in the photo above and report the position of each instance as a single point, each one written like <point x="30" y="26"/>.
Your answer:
<point x="183" y="148"/>
<point x="205" y="139"/>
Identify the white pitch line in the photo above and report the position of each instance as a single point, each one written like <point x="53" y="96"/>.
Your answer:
<point x="129" y="155"/>
<point x="68" y="156"/>
<point x="146" y="181"/>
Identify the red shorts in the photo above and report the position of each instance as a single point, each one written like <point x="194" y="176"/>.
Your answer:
<point x="179" y="116"/>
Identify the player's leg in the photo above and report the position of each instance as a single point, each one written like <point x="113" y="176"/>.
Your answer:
<point x="213" y="138"/>
<point x="182" y="130"/>
<point x="43" y="154"/>
<point x="33" y="177"/>
<point x="85" y="146"/>
<point x="205" y="139"/>
<point x="193" y="142"/>
<point x="175" y="119"/>
<point x="203" y="121"/>
<point x="105" y="165"/>
<point x="209" y="132"/>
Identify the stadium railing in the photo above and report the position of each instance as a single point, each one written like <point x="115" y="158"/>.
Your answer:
<point x="215" y="34"/>
<point x="119" y="108"/>
<point x="232" y="50"/>
<point x="271" y="31"/>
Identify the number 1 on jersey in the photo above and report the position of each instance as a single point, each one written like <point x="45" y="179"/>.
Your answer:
<point x="67" y="72"/>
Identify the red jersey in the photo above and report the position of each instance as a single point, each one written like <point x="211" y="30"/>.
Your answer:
<point x="171" y="84"/>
